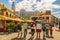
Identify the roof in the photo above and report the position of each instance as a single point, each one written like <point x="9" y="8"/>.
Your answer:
<point x="6" y="7"/>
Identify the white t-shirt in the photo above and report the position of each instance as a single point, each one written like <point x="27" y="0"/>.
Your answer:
<point x="25" y="25"/>
<point x="47" y="26"/>
<point x="38" y="26"/>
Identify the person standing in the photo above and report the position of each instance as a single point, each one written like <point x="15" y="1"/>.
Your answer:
<point x="19" y="30"/>
<point x="51" y="31"/>
<point x="44" y="31"/>
<point x="25" y="25"/>
<point x="43" y="28"/>
<point x="59" y="25"/>
<point x="38" y="29"/>
<point x="47" y="29"/>
<point x="33" y="28"/>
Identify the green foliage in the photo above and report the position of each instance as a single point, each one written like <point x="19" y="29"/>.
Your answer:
<point x="56" y="23"/>
<point x="26" y="18"/>
<point x="10" y="26"/>
<point x="7" y="24"/>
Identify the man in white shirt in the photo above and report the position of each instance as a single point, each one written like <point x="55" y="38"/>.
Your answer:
<point x="25" y="25"/>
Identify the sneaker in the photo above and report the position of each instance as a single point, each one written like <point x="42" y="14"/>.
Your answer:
<point x="24" y="38"/>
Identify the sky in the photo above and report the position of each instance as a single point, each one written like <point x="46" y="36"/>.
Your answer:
<point x="35" y="5"/>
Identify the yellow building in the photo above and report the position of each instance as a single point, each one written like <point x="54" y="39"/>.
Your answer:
<point x="7" y="15"/>
<point x="5" y="11"/>
<point x="45" y="16"/>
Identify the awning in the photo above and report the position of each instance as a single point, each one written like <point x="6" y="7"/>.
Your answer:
<point x="11" y="19"/>
<point x="28" y="21"/>
<point x="2" y="17"/>
<point x="8" y="18"/>
<point x="17" y="19"/>
<point x="5" y="18"/>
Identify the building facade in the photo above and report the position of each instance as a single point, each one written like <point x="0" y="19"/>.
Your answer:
<point x="5" y="15"/>
<point x="44" y="15"/>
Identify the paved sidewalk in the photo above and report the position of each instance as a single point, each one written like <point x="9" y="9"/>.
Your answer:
<point x="8" y="37"/>
<point x="56" y="35"/>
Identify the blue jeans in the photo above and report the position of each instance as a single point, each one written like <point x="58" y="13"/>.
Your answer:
<point x="25" y="33"/>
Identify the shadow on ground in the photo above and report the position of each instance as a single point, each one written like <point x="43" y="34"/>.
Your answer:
<point x="57" y="30"/>
<point x="17" y="38"/>
<point x="6" y="33"/>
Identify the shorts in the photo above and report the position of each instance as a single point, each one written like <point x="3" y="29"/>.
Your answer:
<point x="38" y="30"/>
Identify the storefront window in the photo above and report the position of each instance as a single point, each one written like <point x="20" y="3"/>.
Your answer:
<point x="40" y="18"/>
<point x="43" y="17"/>
<point x="34" y="18"/>
<point x="10" y="15"/>
<point x="1" y="25"/>
<point x="47" y="18"/>
<point x="6" y="13"/>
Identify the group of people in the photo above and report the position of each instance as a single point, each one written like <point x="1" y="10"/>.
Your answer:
<point x="38" y="27"/>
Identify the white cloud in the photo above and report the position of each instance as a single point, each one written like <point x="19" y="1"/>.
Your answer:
<point x="43" y="5"/>
<point x="48" y="1"/>
<point x="56" y="14"/>
<point x="40" y="6"/>
<point x="10" y="1"/>
<point x="24" y="5"/>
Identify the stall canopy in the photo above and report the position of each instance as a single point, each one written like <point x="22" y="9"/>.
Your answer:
<point x="28" y="21"/>
<point x="2" y="17"/>
<point x="17" y="19"/>
<point x="12" y="19"/>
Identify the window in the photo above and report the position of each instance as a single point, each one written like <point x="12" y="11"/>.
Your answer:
<point x="10" y="15"/>
<point x="6" y="13"/>
<point x="47" y="18"/>
<point x="8" y="21"/>
<point x="43" y="17"/>
<point x="40" y="18"/>
<point x="34" y="18"/>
